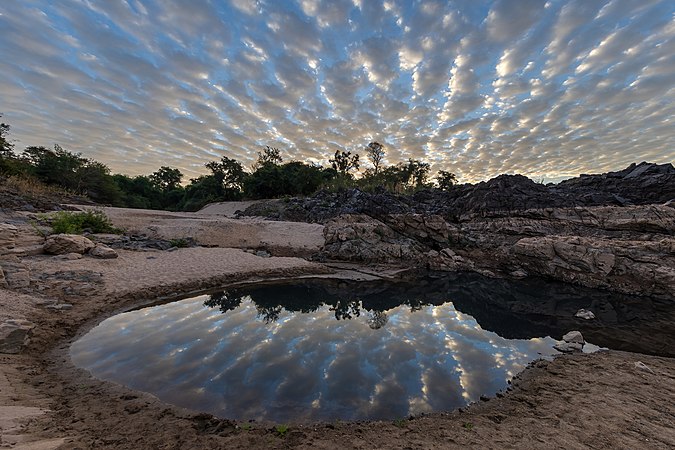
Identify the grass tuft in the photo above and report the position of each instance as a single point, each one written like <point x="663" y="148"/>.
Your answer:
<point x="93" y="221"/>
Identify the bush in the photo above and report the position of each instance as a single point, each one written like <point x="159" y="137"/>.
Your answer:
<point x="93" y="221"/>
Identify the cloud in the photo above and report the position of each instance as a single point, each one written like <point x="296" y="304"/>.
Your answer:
<point x="550" y="89"/>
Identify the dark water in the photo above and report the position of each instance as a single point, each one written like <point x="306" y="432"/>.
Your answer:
<point x="325" y="350"/>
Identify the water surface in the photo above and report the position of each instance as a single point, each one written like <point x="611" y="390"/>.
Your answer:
<point x="326" y="350"/>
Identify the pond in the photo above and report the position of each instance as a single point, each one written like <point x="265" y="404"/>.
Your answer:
<point x="327" y="349"/>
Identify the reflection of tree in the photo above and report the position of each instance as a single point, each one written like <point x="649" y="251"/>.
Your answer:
<point x="345" y="299"/>
<point x="269" y="313"/>
<point x="377" y="319"/>
<point x="346" y="309"/>
<point x="224" y="301"/>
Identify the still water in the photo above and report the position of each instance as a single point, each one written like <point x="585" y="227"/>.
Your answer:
<point x="326" y="350"/>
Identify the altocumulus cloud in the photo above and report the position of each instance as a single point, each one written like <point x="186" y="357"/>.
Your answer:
<point x="549" y="89"/>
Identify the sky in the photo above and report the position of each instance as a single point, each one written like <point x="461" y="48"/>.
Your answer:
<point x="548" y="89"/>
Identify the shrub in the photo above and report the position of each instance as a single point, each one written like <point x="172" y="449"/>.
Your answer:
<point x="94" y="221"/>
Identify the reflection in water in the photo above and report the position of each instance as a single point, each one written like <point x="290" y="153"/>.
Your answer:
<point x="323" y="350"/>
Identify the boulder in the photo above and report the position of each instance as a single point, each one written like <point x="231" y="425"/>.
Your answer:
<point x="568" y="347"/>
<point x="14" y="335"/>
<point x="60" y="244"/>
<point x="103" y="252"/>
<point x="585" y="314"/>
<point x="574" y="337"/>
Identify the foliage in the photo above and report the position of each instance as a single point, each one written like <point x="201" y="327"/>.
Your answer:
<point x="343" y="162"/>
<point x="228" y="173"/>
<point x="166" y="178"/>
<point x="446" y="180"/>
<point x="179" y="243"/>
<point x="375" y="153"/>
<point x="281" y="429"/>
<point x="94" y="221"/>
<point x="268" y="155"/>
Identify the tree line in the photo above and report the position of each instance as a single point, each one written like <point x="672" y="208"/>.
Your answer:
<point x="269" y="177"/>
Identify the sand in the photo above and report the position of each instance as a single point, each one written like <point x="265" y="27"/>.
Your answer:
<point x="600" y="400"/>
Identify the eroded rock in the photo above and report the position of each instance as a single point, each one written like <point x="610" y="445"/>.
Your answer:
<point x="60" y="244"/>
<point x="103" y="252"/>
<point x="14" y="335"/>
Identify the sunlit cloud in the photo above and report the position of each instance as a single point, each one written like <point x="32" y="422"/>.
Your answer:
<point x="548" y="89"/>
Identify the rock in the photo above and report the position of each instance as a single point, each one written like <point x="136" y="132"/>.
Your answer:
<point x="574" y="337"/>
<point x="518" y="274"/>
<point x="16" y="273"/>
<point x="60" y="306"/>
<point x="103" y="252"/>
<point x="60" y="244"/>
<point x="14" y="335"/>
<point x="568" y="347"/>
<point x="644" y="367"/>
<point x="263" y="254"/>
<point x="69" y="256"/>
<point x="585" y="314"/>
<point x="8" y="234"/>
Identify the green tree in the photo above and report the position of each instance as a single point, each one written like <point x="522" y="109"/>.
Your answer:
<point x="56" y="166"/>
<point x="228" y="172"/>
<point x="166" y="178"/>
<point x="445" y="180"/>
<point x="6" y="146"/>
<point x="375" y="153"/>
<point x="268" y="155"/>
<point x="343" y="162"/>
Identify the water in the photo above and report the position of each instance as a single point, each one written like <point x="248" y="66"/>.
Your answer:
<point x="326" y="350"/>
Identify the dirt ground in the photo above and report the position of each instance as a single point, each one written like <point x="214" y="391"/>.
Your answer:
<point x="600" y="400"/>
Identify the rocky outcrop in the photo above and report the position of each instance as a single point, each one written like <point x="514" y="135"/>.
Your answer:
<point x="645" y="267"/>
<point x="60" y="244"/>
<point x="639" y="184"/>
<point x="14" y="335"/>
<point x="624" y="249"/>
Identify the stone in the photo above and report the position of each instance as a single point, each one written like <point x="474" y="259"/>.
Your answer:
<point x="263" y="254"/>
<point x="60" y="306"/>
<point x="69" y="256"/>
<point x="518" y="274"/>
<point x="568" y="347"/>
<point x="585" y="314"/>
<point x="8" y="234"/>
<point x="60" y="244"/>
<point x="103" y="252"/>
<point x="574" y="337"/>
<point x="14" y="335"/>
<point x="644" y="367"/>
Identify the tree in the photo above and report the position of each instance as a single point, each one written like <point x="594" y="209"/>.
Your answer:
<point x="58" y="166"/>
<point x="446" y="180"/>
<point x="417" y="173"/>
<point x="375" y="153"/>
<point x="343" y="162"/>
<point x="166" y="178"/>
<point x="6" y="146"/>
<point x="269" y="155"/>
<point x="228" y="172"/>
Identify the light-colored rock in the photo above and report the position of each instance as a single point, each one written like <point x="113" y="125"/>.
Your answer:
<point x="8" y="234"/>
<point x="103" y="252"/>
<point x="585" y="314"/>
<point x="574" y="337"/>
<point x="568" y="347"/>
<point x="14" y="335"/>
<point x="60" y="244"/>
<point x="69" y="256"/>
<point x="644" y="367"/>
<point x="518" y="274"/>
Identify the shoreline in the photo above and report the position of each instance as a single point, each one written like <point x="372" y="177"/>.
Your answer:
<point x="595" y="400"/>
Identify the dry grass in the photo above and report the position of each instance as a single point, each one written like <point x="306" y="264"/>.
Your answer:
<point x="32" y="187"/>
